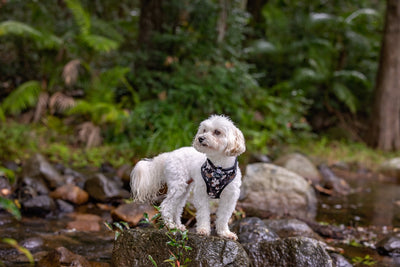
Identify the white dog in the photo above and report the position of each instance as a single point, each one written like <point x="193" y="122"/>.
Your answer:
<point x="210" y="169"/>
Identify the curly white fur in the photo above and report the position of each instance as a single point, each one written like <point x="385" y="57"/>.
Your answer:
<point x="218" y="140"/>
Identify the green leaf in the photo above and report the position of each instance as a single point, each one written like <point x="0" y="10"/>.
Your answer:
<point x="10" y="206"/>
<point x="82" y="18"/>
<point x="23" y="97"/>
<point x="43" y="40"/>
<point x="344" y="94"/>
<point x="361" y="12"/>
<point x="21" y="249"/>
<point x="99" y="43"/>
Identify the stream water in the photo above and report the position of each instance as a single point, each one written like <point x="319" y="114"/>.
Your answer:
<point x="371" y="211"/>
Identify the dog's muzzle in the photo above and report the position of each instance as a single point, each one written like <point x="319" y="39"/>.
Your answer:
<point x="201" y="139"/>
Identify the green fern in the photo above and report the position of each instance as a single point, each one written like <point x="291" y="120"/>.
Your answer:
<point x="99" y="43"/>
<point x="82" y="18"/>
<point x="23" y="97"/>
<point x="43" y="40"/>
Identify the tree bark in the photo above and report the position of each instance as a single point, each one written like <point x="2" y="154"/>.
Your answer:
<point x="150" y="21"/>
<point x="385" y="116"/>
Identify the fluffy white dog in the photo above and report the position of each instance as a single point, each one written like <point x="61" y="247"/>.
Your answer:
<point x="210" y="168"/>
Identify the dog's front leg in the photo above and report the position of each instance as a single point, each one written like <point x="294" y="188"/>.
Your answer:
<point x="202" y="206"/>
<point x="226" y="207"/>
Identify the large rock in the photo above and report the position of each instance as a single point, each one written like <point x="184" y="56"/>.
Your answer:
<point x="133" y="247"/>
<point x="291" y="228"/>
<point x="133" y="212"/>
<point x="391" y="168"/>
<point x="104" y="189"/>
<point x="301" y="165"/>
<point x="268" y="189"/>
<point x="71" y="193"/>
<point x="38" y="166"/>
<point x="292" y="251"/>
<point x="389" y="245"/>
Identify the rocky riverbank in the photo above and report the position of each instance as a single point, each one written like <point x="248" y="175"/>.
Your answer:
<point x="64" y="211"/>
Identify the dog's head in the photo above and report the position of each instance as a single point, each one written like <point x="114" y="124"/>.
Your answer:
<point x="218" y="134"/>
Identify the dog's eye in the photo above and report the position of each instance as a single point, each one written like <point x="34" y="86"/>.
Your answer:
<point x="216" y="132"/>
<point x="204" y="130"/>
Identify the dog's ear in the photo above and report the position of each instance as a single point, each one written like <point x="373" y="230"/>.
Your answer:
<point x="236" y="144"/>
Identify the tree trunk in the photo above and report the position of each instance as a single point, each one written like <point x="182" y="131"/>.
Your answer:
<point x="150" y="21"/>
<point x="385" y="117"/>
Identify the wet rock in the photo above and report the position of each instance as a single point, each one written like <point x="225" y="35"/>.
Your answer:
<point x="337" y="185"/>
<point x="85" y="223"/>
<point x="291" y="228"/>
<point x="124" y="172"/>
<point x="269" y="189"/>
<point x="71" y="193"/>
<point x="301" y="165"/>
<point x="38" y="205"/>
<point x="38" y="166"/>
<point x="64" y="206"/>
<point x="132" y="212"/>
<point x="292" y="251"/>
<point x="339" y="260"/>
<point x="133" y="247"/>
<point x="104" y="189"/>
<point x="253" y="230"/>
<point x="73" y="177"/>
<point x="32" y="243"/>
<point x="389" y="245"/>
<point x="391" y="168"/>
<point x="63" y="257"/>
<point x="29" y="186"/>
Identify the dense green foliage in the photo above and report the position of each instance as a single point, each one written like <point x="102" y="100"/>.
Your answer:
<point x="71" y="62"/>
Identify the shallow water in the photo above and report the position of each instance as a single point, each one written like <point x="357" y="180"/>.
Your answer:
<point x="370" y="212"/>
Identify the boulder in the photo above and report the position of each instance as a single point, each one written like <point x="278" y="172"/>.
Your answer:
<point x="38" y="166"/>
<point x="133" y="212"/>
<point x="104" y="189"/>
<point x="389" y="245"/>
<point x="268" y="190"/>
<point x="291" y="228"/>
<point x="38" y="205"/>
<point x="391" y="168"/>
<point x="291" y="251"/>
<point x="71" y="193"/>
<point x="301" y="165"/>
<point x="133" y="248"/>
<point x="252" y="230"/>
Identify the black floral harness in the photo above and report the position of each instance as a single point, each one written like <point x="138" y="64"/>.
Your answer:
<point x="217" y="178"/>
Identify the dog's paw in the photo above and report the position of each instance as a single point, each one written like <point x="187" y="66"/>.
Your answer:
<point x="203" y="231"/>
<point x="228" y="235"/>
<point x="181" y="227"/>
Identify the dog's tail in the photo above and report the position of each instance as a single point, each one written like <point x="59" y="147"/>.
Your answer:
<point x="147" y="178"/>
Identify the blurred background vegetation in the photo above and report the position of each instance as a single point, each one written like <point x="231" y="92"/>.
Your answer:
<point x="131" y="79"/>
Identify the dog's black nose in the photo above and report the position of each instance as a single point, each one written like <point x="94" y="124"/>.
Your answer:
<point x="201" y="139"/>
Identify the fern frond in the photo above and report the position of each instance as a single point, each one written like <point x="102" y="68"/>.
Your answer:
<point x="82" y="18"/>
<point x="105" y="29"/>
<point x="18" y="28"/>
<point x="11" y="27"/>
<point x="352" y="75"/>
<point x="361" y="12"/>
<point x="344" y="94"/>
<point x="100" y="43"/>
<point x="23" y="97"/>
